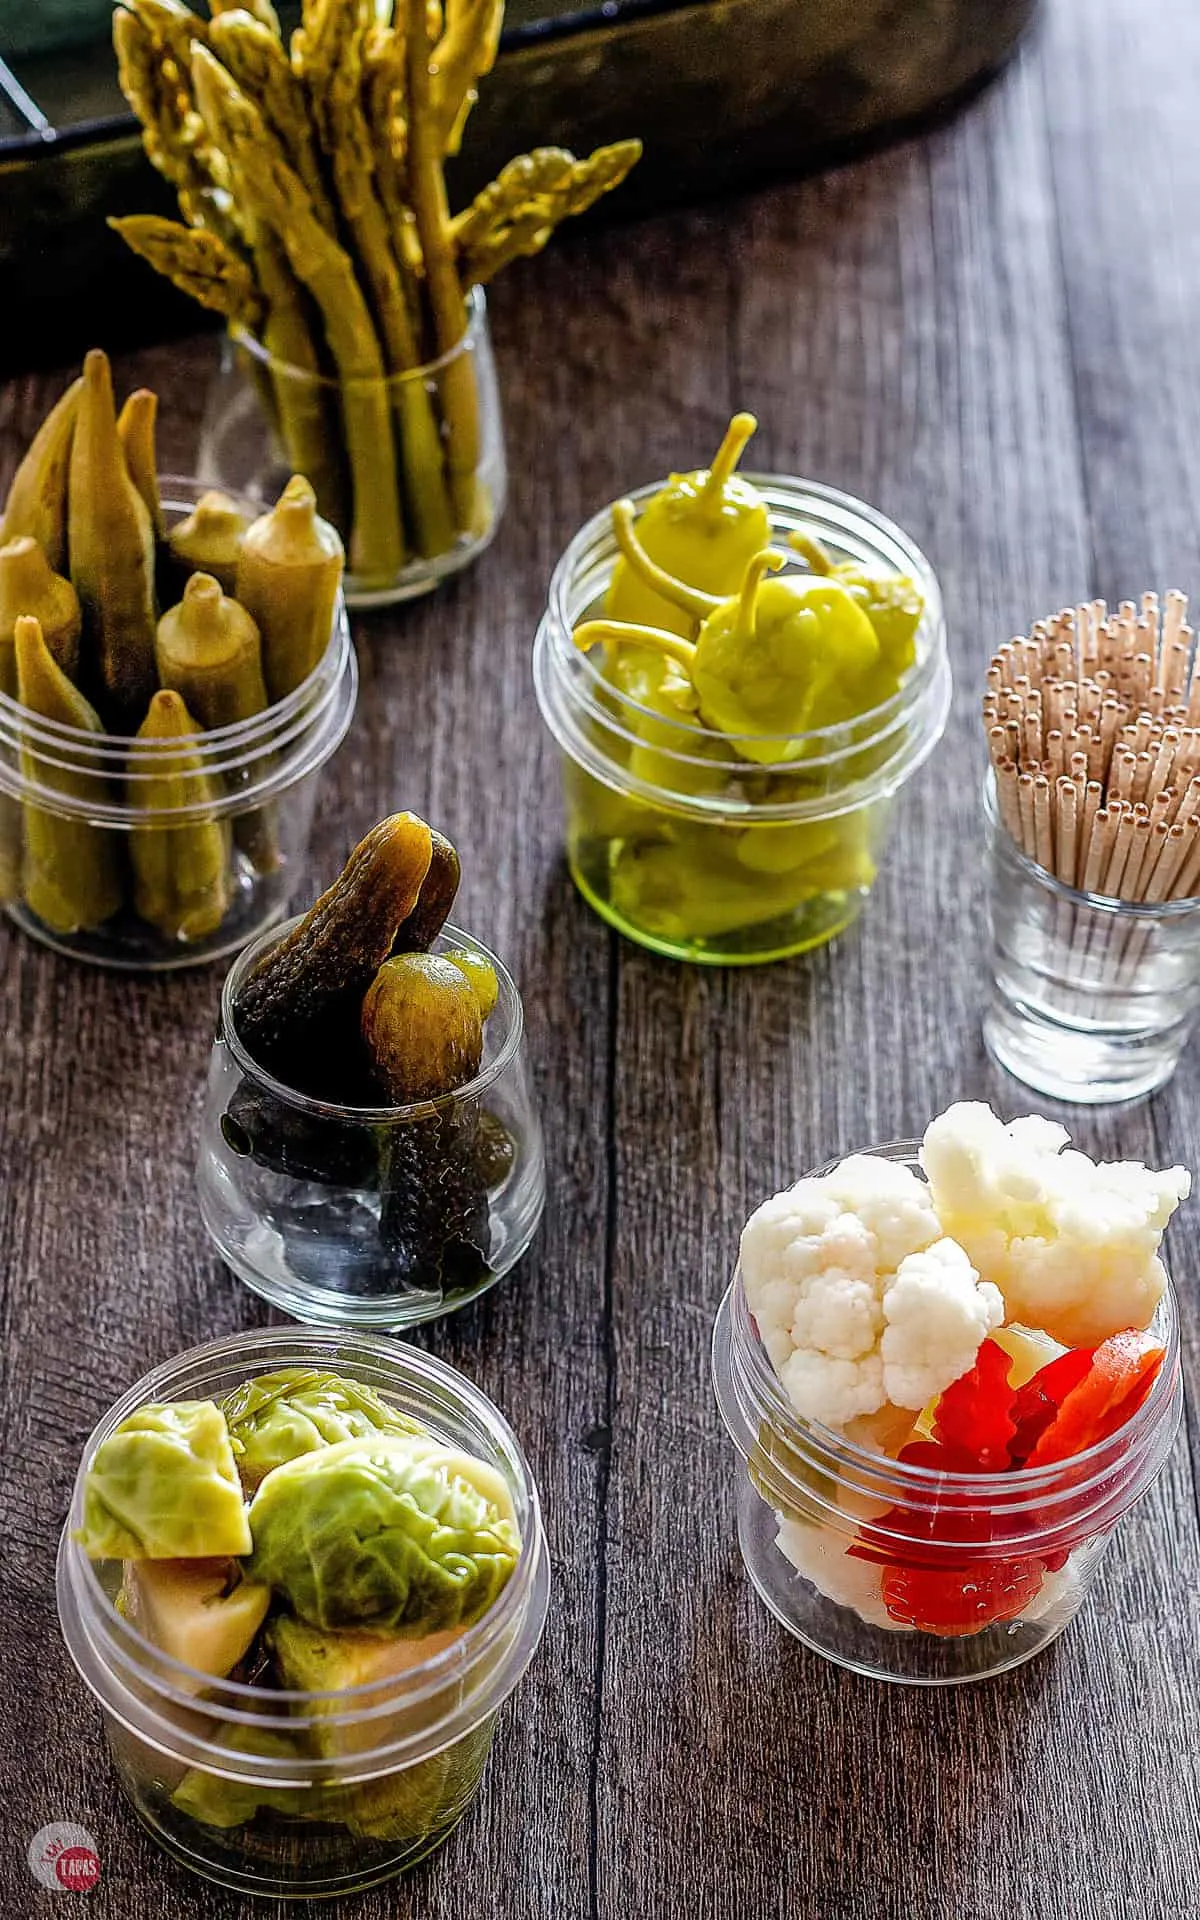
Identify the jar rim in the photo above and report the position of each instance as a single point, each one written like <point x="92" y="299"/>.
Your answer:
<point x="368" y="1116"/>
<point x="235" y="1702"/>
<point x="476" y="320"/>
<point x="1145" y="911"/>
<point x="127" y="746"/>
<point x="877" y="1471"/>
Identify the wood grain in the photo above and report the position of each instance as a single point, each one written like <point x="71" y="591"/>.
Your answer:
<point x="948" y="331"/>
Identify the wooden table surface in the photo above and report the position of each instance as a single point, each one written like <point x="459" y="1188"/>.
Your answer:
<point x="991" y="333"/>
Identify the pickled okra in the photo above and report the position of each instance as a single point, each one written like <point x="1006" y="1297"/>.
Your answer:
<point x="27" y="586"/>
<point x="37" y="499"/>
<point x="288" y="575"/>
<point x="209" y="540"/>
<point x="181" y="876"/>
<point x="70" y="876"/>
<point x="111" y="546"/>
<point x="84" y="552"/>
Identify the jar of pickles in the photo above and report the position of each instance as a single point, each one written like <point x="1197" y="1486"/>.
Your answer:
<point x="302" y="1573"/>
<point x="733" y="745"/>
<point x="946" y="1543"/>
<point x="167" y="846"/>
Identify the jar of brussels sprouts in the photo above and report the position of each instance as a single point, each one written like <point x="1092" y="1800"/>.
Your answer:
<point x="732" y="745"/>
<point x="301" y="1642"/>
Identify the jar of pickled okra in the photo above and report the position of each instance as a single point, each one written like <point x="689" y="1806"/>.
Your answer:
<point x="713" y="845"/>
<point x="174" y="846"/>
<point x="372" y="1216"/>
<point x="325" y="1758"/>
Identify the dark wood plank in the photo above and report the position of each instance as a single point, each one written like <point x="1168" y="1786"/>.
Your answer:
<point x="901" y="329"/>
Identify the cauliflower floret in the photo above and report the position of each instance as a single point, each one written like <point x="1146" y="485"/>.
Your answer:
<point x="821" y="1556"/>
<point x="938" y="1316"/>
<point x="1071" y="1244"/>
<point x="817" y="1263"/>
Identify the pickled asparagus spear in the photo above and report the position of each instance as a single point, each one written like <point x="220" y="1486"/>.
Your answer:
<point x="276" y="195"/>
<point x="111" y="546"/>
<point x="181" y="869"/>
<point x="37" y="498"/>
<point x="71" y="875"/>
<point x="288" y="577"/>
<point x="198" y="263"/>
<point x="135" y="430"/>
<point x="27" y="585"/>
<point x="210" y="539"/>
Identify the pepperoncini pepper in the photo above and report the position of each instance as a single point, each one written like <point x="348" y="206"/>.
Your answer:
<point x="703" y="528"/>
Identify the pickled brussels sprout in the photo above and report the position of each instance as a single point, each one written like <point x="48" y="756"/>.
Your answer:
<point x="384" y="1534"/>
<point x="279" y="1416"/>
<point x="164" y="1486"/>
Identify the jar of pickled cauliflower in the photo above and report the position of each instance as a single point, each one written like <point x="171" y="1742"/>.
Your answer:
<point x="900" y="1571"/>
<point x="720" y="847"/>
<point x="286" y="1791"/>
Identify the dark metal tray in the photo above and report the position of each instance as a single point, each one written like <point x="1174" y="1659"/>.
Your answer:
<point x="723" y="92"/>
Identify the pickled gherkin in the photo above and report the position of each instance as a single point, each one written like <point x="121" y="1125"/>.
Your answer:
<point x="181" y="868"/>
<point x="299" y="1012"/>
<point x="423" y="1028"/>
<point x="288" y="575"/>
<point x="71" y="874"/>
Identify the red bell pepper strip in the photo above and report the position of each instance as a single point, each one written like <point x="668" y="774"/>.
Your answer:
<point x="1037" y="1403"/>
<point x="949" y="1601"/>
<point x="974" y="1414"/>
<point x="1122" y="1372"/>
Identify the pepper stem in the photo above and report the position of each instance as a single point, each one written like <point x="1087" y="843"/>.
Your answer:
<point x="768" y="561"/>
<point x="625" y="633"/>
<point x="730" y="451"/>
<point x="690" y="599"/>
<point x="810" y="549"/>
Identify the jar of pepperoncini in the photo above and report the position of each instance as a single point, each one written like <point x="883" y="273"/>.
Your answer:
<point x="712" y="844"/>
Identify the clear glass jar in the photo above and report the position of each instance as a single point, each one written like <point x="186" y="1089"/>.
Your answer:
<point x="1026" y="1542"/>
<point x="1092" y="999"/>
<point x="255" y="790"/>
<point x="685" y="845"/>
<point x="371" y="1216"/>
<point x="411" y="469"/>
<point x="407" y="1755"/>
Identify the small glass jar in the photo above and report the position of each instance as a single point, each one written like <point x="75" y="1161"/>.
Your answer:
<point x="408" y="1754"/>
<point x="411" y="468"/>
<point x="371" y="1216"/>
<point x="247" y="828"/>
<point x="1023" y="1546"/>
<point x="1092" y="999"/>
<point x="693" y="849"/>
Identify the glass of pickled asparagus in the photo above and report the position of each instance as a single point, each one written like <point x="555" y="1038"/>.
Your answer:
<point x="315" y="219"/>
<point x="175" y="670"/>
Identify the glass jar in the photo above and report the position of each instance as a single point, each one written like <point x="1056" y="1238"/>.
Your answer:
<point x="411" y="468"/>
<point x="224" y="1774"/>
<point x="371" y="1216"/>
<point x="1021" y="1547"/>
<point x="688" y="846"/>
<point x="1092" y="999"/>
<point x="246" y="830"/>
